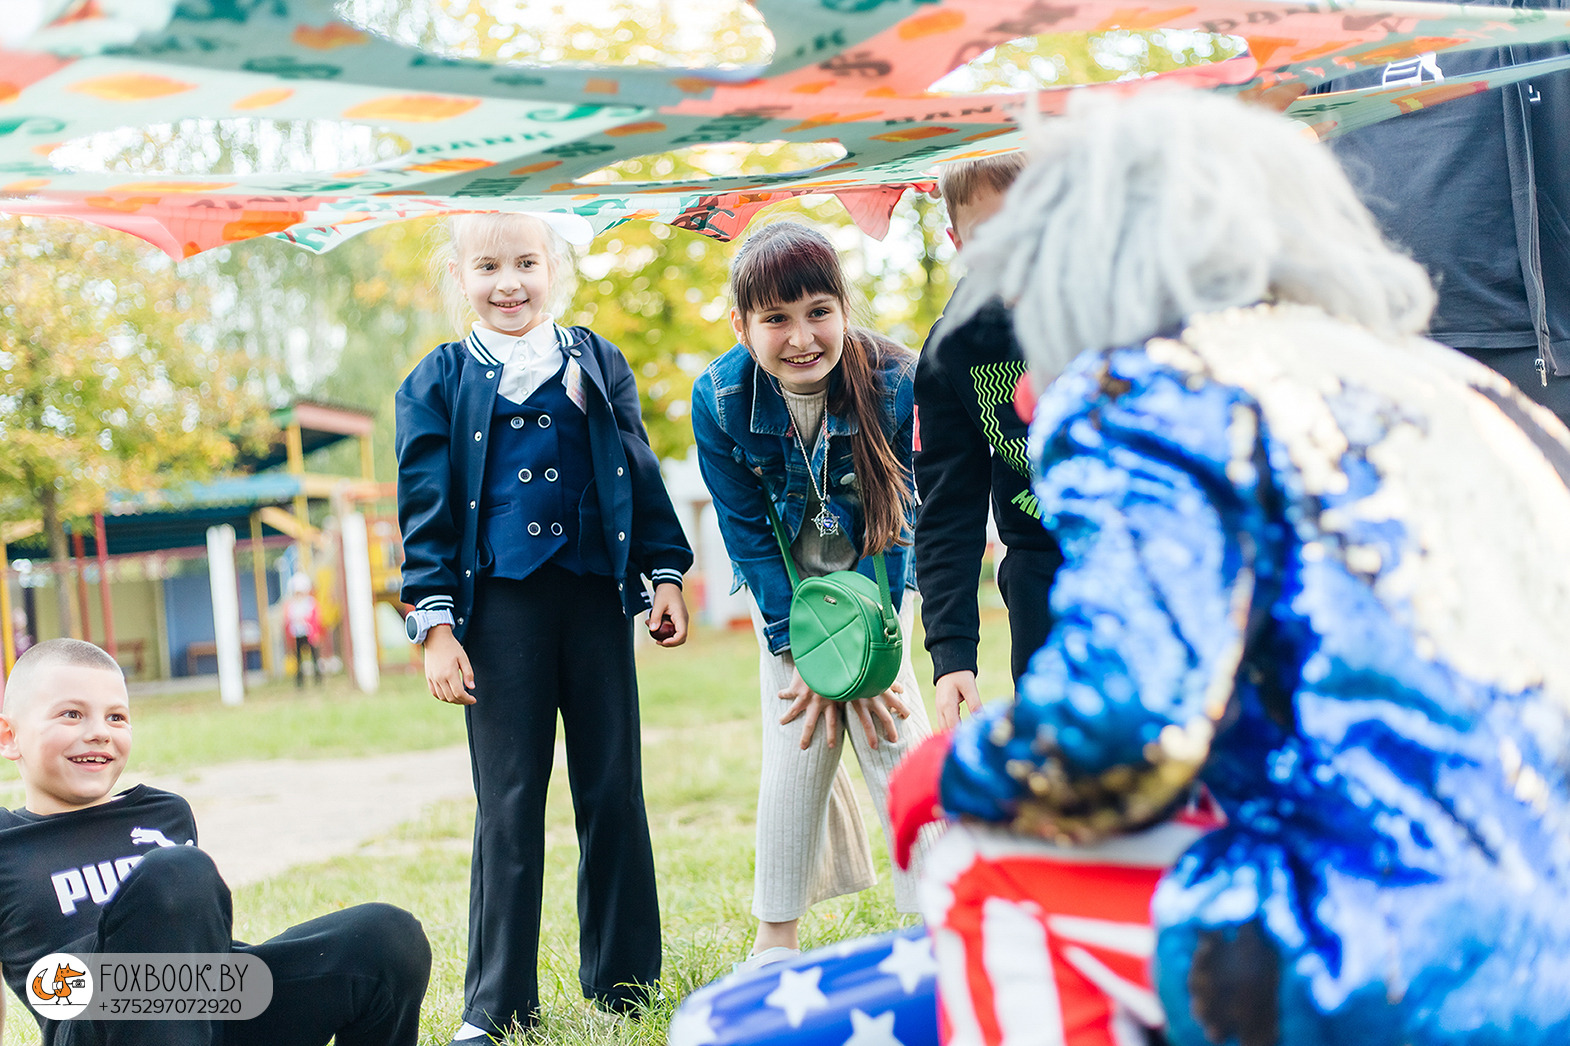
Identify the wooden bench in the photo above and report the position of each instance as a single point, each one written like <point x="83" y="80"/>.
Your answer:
<point x="134" y="650"/>
<point x="209" y="648"/>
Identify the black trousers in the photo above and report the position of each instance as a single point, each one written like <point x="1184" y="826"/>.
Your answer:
<point x="1520" y="366"/>
<point x="358" y="974"/>
<point x="1024" y="578"/>
<point x="302" y="644"/>
<point x="556" y="642"/>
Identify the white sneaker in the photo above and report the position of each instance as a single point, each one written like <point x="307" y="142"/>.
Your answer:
<point x="767" y="957"/>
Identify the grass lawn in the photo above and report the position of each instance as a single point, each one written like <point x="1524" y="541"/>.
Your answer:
<point x="700" y="780"/>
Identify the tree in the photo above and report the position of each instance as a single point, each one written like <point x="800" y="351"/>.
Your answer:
<point x="107" y="378"/>
<point x="658" y="293"/>
<point x="347" y="326"/>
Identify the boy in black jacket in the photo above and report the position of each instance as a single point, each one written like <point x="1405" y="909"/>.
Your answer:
<point x="85" y="871"/>
<point x="971" y="443"/>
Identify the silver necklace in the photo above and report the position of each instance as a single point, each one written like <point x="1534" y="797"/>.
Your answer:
<point x="826" y="521"/>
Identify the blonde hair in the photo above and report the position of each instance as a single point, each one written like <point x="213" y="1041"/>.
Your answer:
<point x="23" y="680"/>
<point x="961" y="182"/>
<point x="451" y="234"/>
<point x="1138" y="212"/>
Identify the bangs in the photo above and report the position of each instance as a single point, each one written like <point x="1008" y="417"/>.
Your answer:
<point x="783" y="263"/>
<point x="489" y="235"/>
<point x="459" y="239"/>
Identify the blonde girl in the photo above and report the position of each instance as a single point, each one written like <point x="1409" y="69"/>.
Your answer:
<point x="531" y="505"/>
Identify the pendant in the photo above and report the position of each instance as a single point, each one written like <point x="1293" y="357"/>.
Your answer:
<point x="826" y="522"/>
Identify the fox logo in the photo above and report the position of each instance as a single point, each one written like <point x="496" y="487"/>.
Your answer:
<point x="60" y="987"/>
<point x="59" y="990"/>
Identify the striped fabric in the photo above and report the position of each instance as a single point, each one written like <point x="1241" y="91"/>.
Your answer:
<point x="1040" y="945"/>
<point x="665" y="575"/>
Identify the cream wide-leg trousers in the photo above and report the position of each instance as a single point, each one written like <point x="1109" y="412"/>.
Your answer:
<point x="812" y="843"/>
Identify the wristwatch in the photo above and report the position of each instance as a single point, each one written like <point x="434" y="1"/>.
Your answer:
<point x="420" y="622"/>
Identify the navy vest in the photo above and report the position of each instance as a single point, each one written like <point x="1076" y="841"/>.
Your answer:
<point x="539" y="503"/>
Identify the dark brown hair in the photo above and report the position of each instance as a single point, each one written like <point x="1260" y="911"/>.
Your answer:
<point x="963" y="181"/>
<point x="786" y="261"/>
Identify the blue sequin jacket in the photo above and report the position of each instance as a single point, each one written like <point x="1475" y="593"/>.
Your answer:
<point x="1285" y="579"/>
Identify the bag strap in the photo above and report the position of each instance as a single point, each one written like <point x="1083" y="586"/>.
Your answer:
<point x="890" y="621"/>
<point x="779" y="535"/>
<point x="886" y="605"/>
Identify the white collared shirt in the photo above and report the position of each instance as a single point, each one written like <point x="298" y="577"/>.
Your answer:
<point x="528" y="360"/>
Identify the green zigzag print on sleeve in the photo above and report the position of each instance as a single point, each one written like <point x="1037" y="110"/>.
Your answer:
<point x="995" y="383"/>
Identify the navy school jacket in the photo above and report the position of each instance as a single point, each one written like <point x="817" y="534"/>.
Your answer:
<point x="443" y="411"/>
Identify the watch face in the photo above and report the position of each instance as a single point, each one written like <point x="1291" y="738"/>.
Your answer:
<point x="411" y="628"/>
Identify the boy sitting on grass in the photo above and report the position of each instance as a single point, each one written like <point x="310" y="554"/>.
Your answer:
<point x="85" y="871"/>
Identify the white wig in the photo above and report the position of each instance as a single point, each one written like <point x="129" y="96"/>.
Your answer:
<point x="1139" y="211"/>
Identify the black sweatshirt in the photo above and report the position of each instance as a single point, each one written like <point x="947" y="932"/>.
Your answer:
<point x="971" y="443"/>
<point x="57" y="871"/>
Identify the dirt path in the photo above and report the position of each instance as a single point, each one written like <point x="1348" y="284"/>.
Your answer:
<point x="259" y="818"/>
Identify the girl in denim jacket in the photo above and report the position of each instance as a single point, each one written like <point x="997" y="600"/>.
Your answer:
<point x="817" y="417"/>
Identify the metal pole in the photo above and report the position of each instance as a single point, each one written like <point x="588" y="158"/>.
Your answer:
<point x="295" y="448"/>
<point x="101" y="539"/>
<point x="226" y="614"/>
<point x="7" y="635"/>
<point x="259" y="573"/>
<point x="81" y="585"/>
<point x="364" y="651"/>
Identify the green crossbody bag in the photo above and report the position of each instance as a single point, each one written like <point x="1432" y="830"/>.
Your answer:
<point x="844" y="635"/>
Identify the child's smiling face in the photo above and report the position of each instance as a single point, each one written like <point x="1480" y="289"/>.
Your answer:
<point x="800" y="343"/>
<point x="504" y="270"/>
<point x="70" y="738"/>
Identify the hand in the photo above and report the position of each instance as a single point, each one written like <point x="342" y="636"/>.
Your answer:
<point x="884" y="707"/>
<point x="668" y="603"/>
<point x="955" y="689"/>
<point x="447" y="670"/>
<point x="804" y="701"/>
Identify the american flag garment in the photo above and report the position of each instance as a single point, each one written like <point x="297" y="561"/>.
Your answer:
<point x="1041" y="945"/>
<point x="872" y="991"/>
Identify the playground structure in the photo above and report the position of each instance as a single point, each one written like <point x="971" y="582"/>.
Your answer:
<point x="180" y="584"/>
<point x="188" y="582"/>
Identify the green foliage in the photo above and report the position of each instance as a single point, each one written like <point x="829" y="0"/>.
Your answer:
<point x="1063" y="59"/>
<point x="109" y="377"/>
<point x="913" y="277"/>
<point x="666" y="33"/>
<point x="658" y="293"/>
<point x="106" y="381"/>
<point x="344" y="327"/>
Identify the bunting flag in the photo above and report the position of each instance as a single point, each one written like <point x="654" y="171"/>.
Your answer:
<point x="852" y="74"/>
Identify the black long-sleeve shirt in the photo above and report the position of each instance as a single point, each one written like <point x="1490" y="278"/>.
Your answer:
<point x="971" y="445"/>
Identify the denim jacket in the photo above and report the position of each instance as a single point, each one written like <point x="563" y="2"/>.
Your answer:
<point x="747" y="451"/>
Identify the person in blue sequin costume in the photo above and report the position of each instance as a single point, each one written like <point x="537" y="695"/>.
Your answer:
<point x="1314" y="564"/>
